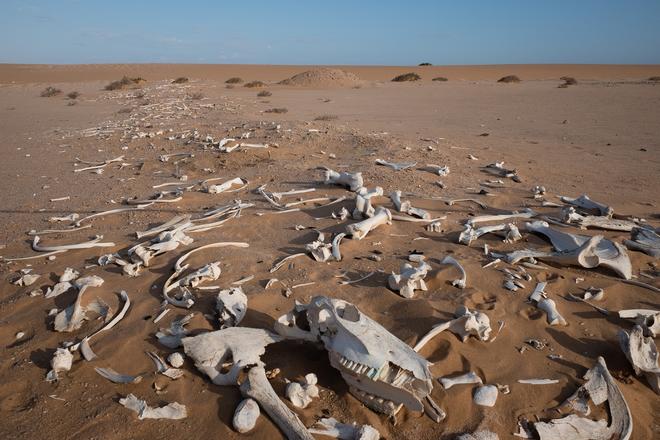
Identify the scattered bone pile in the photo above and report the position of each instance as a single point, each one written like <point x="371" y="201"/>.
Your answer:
<point x="525" y="247"/>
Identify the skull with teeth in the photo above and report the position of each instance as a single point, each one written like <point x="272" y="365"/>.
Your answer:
<point x="382" y="371"/>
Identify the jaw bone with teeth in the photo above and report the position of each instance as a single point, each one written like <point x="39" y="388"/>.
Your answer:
<point x="382" y="371"/>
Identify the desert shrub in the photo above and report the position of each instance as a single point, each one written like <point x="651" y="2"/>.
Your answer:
<point x="234" y="80"/>
<point x="125" y="81"/>
<point x="197" y="96"/>
<point x="326" y="118"/>
<point x="654" y="78"/>
<point x="425" y="64"/>
<point x="569" y="80"/>
<point x="509" y="79"/>
<point x="411" y="76"/>
<point x="180" y="80"/>
<point x="50" y="91"/>
<point x="276" y="110"/>
<point x="253" y="84"/>
<point x="229" y="86"/>
<point x="73" y="95"/>
<point x="264" y="93"/>
<point x="439" y="78"/>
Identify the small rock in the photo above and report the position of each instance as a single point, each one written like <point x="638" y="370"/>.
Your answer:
<point x="485" y="395"/>
<point x="175" y="359"/>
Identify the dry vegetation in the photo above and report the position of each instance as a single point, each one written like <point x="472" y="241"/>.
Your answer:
<point x="264" y="93"/>
<point x="253" y="84"/>
<point x="326" y="118"/>
<point x="439" y="78"/>
<point x="73" y="95"/>
<point x="509" y="79"/>
<point x="276" y="110"/>
<point x="125" y="81"/>
<point x="50" y="92"/>
<point x="180" y="80"/>
<point x="655" y="78"/>
<point x="568" y="81"/>
<point x="411" y="76"/>
<point x="234" y="80"/>
<point x="425" y="64"/>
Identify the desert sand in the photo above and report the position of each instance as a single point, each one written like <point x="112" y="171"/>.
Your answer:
<point x="600" y="137"/>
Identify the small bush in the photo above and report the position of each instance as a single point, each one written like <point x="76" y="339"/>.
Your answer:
<point x="326" y="118"/>
<point x="253" y="84"/>
<point x="276" y="110"/>
<point x="655" y="78"/>
<point x="125" y="81"/>
<point x="264" y="93"/>
<point x="229" y="86"/>
<point x="569" y="80"/>
<point x="180" y="80"/>
<point x="440" y="78"/>
<point x="50" y="91"/>
<point x="509" y="79"/>
<point x="411" y="76"/>
<point x="73" y="95"/>
<point x="425" y="64"/>
<point x="197" y="96"/>
<point x="234" y="80"/>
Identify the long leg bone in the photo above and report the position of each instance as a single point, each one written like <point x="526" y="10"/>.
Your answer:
<point x="407" y="206"/>
<point x="360" y="230"/>
<point x="526" y="213"/>
<point x="464" y="379"/>
<point x="353" y="181"/>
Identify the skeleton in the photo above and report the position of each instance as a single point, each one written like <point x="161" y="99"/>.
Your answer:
<point x="498" y="169"/>
<point x="587" y="204"/>
<point x="246" y="415"/>
<point x="300" y="394"/>
<point x="360" y="230"/>
<point x="465" y="324"/>
<point x="600" y="387"/>
<point x="644" y="240"/>
<point x="236" y="349"/>
<point x="232" y="306"/>
<point x="61" y="361"/>
<point x="410" y="279"/>
<point x="407" y="206"/>
<point x="363" y="207"/>
<point x="461" y="282"/>
<point x="547" y="305"/>
<point x="396" y="166"/>
<point x="382" y="371"/>
<point x="330" y="427"/>
<point x="174" y="410"/>
<point x="464" y="379"/>
<point x="642" y="354"/>
<point x="353" y="181"/>
<point x="570" y="216"/>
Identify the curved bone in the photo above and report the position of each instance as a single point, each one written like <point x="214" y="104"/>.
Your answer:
<point x="363" y="207"/>
<point x="600" y="387"/>
<point x="584" y="250"/>
<point x="72" y="317"/>
<point x="526" y="213"/>
<point x="232" y="305"/>
<point x="461" y="282"/>
<point x="57" y="231"/>
<point x="642" y="354"/>
<point x="330" y="427"/>
<point x="86" y="350"/>
<point x="464" y="379"/>
<point x="284" y="260"/>
<point x="547" y="305"/>
<point x="173" y="336"/>
<point x="359" y="230"/>
<point x="158" y="198"/>
<point x="96" y="242"/>
<point x="300" y="394"/>
<point x="112" y="211"/>
<point x="396" y="166"/>
<point x="353" y="181"/>
<point x="174" y="410"/>
<point x="644" y="240"/>
<point x="61" y="361"/>
<point x="115" y="377"/>
<point x="569" y="216"/>
<point x="336" y="253"/>
<point x="246" y="415"/>
<point x="380" y="369"/>
<point x="585" y="202"/>
<point x="407" y="206"/>
<point x="173" y="223"/>
<point x="465" y="324"/>
<point x="410" y="279"/>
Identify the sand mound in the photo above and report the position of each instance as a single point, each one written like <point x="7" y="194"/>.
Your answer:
<point x="323" y="78"/>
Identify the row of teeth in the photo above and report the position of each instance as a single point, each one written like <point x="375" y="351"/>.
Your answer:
<point x="384" y="405"/>
<point x="358" y="368"/>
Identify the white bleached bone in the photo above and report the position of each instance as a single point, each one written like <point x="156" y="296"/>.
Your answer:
<point x="112" y="211"/>
<point x="481" y="204"/>
<point x="649" y="319"/>
<point x="642" y="354"/>
<point x="173" y="223"/>
<point x="246" y="415"/>
<point x="61" y="361"/>
<point x="465" y="324"/>
<point x="462" y="281"/>
<point x="600" y="387"/>
<point x="300" y="394"/>
<point x="166" y="157"/>
<point x="382" y="371"/>
<point x="396" y="166"/>
<point x="409" y="279"/>
<point x="99" y="166"/>
<point x="232" y="305"/>
<point x="644" y="240"/>
<point x="336" y="241"/>
<point x="226" y="186"/>
<point x="469" y="234"/>
<point x="586" y="203"/>
<point x="67" y="218"/>
<point x="172" y="337"/>
<point x="547" y="305"/>
<point x="352" y="181"/>
<point x="163" y="368"/>
<point x="359" y="230"/>
<point x="342" y="214"/>
<point x="363" y="206"/>
<point x="479" y="435"/>
<point x="497" y="168"/>
<point x="485" y="395"/>
<point x="115" y="377"/>
<point x="69" y="274"/>
<point x="174" y="410"/>
<point x="330" y="427"/>
<point x="526" y="213"/>
<point x="435" y="226"/>
<point x="85" y="348"/>
<point x="440" y="170"/>
<point x="26" y="279"/>
<point x="57" y="231"/>
<point x="96" y="242"/>
<point x="160" y="197"/>
<point x="72" y="317"/>
<point x="130" y="269"/>
<point x="571" y="217"/>
<point x="320" y="250"/>
<point x="407" y="207"/>
<point x="175" y="359"/>
<point x="463" y="379"/>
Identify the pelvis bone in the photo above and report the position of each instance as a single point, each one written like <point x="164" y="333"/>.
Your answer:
<point x="382" y="371"/>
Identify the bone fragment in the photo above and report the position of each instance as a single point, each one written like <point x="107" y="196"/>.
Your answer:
<point x="172" y="337"/>
<point x="68" y="218"/>
<point x="284" y="260"/>
<point x="440" y="170"/>
<point x="231" y="305"/>
<point x="352" y="181"/>
<point x="174" y="223"/>
<point x="96" y="167"/>
<point x="72" y="317"/>
<point x="226" y="186"/>
<point x="586" y="203"/>
<point x="463" y="379"/>
<point x="330" y="427"/>
<point x="396" y="166"/>
<point x="642" y="354"/>
<point x="461" y="282"/>
<point x="526" y="213"/>
<point x="498" y="169"/>
<point x="407" y="206"/>
<point x="570" y="216"/>
<point x="644" y="240"/>
<point x="61" y="361"/>
<point x="26" y="279"/>
<point x="479" y="435"/>
<point x="485" y="395"/>
<point x="175" y="359"/>
<point x="538" y="381"/>
<point x="363" y="206"/>
<point x="547" y="305"/>
<point x="246" y="415"/>
<point x="360" y="230"/>
<point x="115" y="377"/>
<point x="482" y="205"/>
<point x="174" y="410"/>
<point x="300" y="394"/>
<point x="410" y="279"/>
<point x="435" y="226"/>
<point x="96" y="242"/>
<point x="112" y="211"/>
<point x="466" y="323"/>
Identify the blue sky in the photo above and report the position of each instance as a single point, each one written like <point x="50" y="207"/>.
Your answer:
<point x="385" y="32"/>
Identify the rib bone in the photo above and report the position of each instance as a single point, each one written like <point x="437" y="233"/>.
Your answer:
<point x="461" y="282"/>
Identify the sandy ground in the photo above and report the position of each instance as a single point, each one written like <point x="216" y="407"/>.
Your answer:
<point x="600" y="137"/>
